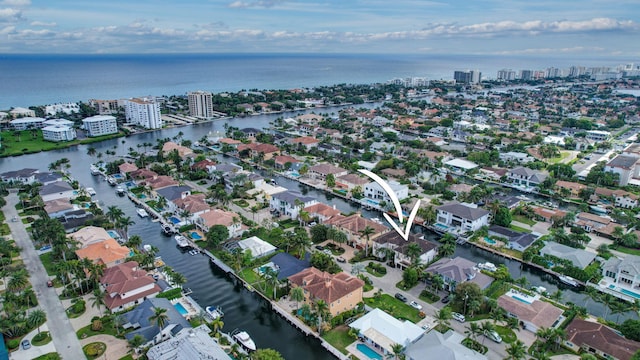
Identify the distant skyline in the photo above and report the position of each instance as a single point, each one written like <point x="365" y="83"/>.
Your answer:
<point x="484" y="27"/>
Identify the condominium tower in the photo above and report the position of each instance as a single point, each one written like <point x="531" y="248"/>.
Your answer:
<point x="200" y="104"/>
<point x="144" y="112"/>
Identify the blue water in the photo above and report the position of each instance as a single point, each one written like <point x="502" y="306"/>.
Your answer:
<point x="180" y="309"/>
<point x="64" y="78"/>
<point x="520" y="299"/>
<point x="372" y="202"/>
<point x="117" y="176"/>
<point x="174" y="220"/>
<point x="113" y="234"/>
<point x="195" y="235"/>
<point x="630" y="293"/>
<point x="142" y="196"/>
<point x="489" y="240"/>
<point x="368" y="351"/>
<point x="441" y="226"/>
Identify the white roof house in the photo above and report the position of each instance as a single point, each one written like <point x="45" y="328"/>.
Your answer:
<point x="59" y="122"/>
<point x="382" y="329"/>
<point x="257" y="246"/>
<point x="188" y="344"/>
<point x="461" y="164"/>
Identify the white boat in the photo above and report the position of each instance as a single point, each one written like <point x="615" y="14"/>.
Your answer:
<point x="214" y="311"/>
<point x="487" y="266"/>
<point x="94" y="170"/>
<point x="90" y="191"/>
<point x="194" y="252"/>
<point x="568" y="280"/>
<point x="146" y="248"/>
<point x="120" y="190"/>
<point x="142" y="212"/>
<point x="182" y="241"/>
<point x="539" y="289"/>
<point x="244" y="339"/>
<point x="168" y="229"/>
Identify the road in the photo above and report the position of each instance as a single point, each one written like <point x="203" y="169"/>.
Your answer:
<point x="64" y="337"/>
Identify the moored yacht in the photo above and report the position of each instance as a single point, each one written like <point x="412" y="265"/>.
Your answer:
<point x="182" y="241"/>
<point x="244" y="339"/>
<point x="142" y="212"/>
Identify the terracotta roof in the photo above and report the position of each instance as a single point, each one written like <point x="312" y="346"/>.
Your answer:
<point x="539" y="313"/>
<point x="325" y="286"/>
<point x="124" y="278"/>
<point x="326" y="169"/>
<point x="192" y="203"/>
<point x="355" y="223"/>
<point x="143" y="174"/>
<point x="89" y="235"/>
<point x="218" y="217"/>
<point x="353" y="179"/>
<point x="127" y="167"/>
<point x="600" y="337"/>
<point x="306" y="140"/>
<point x="570" y="185"/>
<point x="322" y="209"/>
<point x="204" y="164"/>
<point x="161" y="181"/>
<point x="548" y="213"/>
<point x="104" y="252"/>
<point x="169" y="146"/>
<point x="283" y="159"/>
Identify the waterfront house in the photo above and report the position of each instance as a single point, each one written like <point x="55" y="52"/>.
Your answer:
<point x="460" y="166"/>
<point x="257" y="247"/>
<point x="289" y="203"/>
<point x="214" y="217"/>
<point x="598" y="339"/>
<point x="320" y="171"/>
<point x="143" y="174"/>
<point x="173" y="193"/>
<point x="382" y="331"/>
<point x="591" y="222"/>
<point x="393" y="241"/>
<point x="462" y="216"/>
<point x="57" y="190"/>
<point x="375" y="194"/>
<point x="205" y="165"/>
<point x="624" y="273"/>
<point x="548" y="215"/>
<point x="46" y="178"/>
<point x="24" y="176"/>
<point x="139" y="321"/>
<point x="58" y="207"/>
<point x="526" y="177"/>
<point x="441" y="346"/>
<point x="161" y="181"/>
<point x="127" y="285"/>
<point x="107" y="252"/>
<point x="188" y="344"/>
<point x="619" y="197"/>
<point x="573" y="188"/>
<point x="256" y="150"/>
<point x="350" y="181"/>
<point x="74" y="219"/>
<point x="533" y="314"/>
<point x="578" y="257"/>
<point x="194" y="204"/>
<point x="126" y="168"/>
<point x="341" y="292"/>
<point x="322" y="211"/>
<point x="89" y="235"/>
<point x="352" y="225"/>
<point x="306" y="142"/>
<point x="287" y="264"/>
<point x="458" y="270"/>
<point x="281" y="162"/>
<point x="183" y="151"/>
<point x="515" y="240"/>
<point x="516" y="157"/>
<point x="232" y="143"/>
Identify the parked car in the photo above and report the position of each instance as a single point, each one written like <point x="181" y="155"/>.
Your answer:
<point x="458" y="316"/>
<point x="25" y="344"/>
<point x="327" y="251"/>
<point x="493" y="336"/>
<point x="49" y="283"/>
<point x="426" y="327"/>
<point x="401" y="297"/>
<point x="319" y="247"/>
<point x="340" y="259"/>
<point x="446" y="299"/>
<point x="415" y="305"/>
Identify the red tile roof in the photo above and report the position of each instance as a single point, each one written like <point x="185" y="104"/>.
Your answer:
<point x="325" y="286"/>
<point x="602" y="338"/>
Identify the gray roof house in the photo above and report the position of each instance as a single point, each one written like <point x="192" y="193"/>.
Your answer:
<point x="174" y="192"/>
<point x="580" y="258"/>
<point x="189" y="344"/>
<point x="517" y="240"/>
<point x="624" y="272"/>
<point x="26" y="176"/>
<point x="138" y="319"/>
<point x="440" y="346"/>
<point x="526" y="177"/>
<point x="47" y="177"/>
<point x="459" y="270"/>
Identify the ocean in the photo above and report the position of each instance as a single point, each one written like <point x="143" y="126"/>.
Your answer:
<point x="31" y="80"/>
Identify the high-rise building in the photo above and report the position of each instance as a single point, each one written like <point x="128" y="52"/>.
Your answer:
<point x="200" y="104"/>
<point x="506" y="75"/>
<point x="144" y="112"/>
<point x="526" y="74"/>
<point x="100" y="125"/>
<point x="467" y="77"/>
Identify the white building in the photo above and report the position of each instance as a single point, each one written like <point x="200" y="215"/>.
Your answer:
<point x="289" y="203"/>
<point x="200" y="104"/>
<point x="382" y="331"/>
<point x="516" y="157"/>
<point x="58" y="122"/>
<point x="525" y="176"/>
<point x="27" y="123"/>
<point x="68" y="108"/>
<point x="189" y="344"/>
<point x="462" y="216"/>
<point x="257" y="246"/>
<point x="58" y="133"/>
<point x="100" y="125"/>
<point x="598" y="135"/>
<point x="625" y="166"/>
<point x="375" y="192"/>
<point x="22" y="112"/>
<point x="143" y="112"/>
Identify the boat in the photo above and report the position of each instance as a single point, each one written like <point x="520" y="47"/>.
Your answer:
<point x="168" y="229"/>
<point x="147" y="248"/>
<point x="194" y="252"/>
<point x="568" y="280"/>
<point x="539" y="289"/>
<point x="244" y="339"/>
<point x="487" y="266"/>
<point x="120" y="190"/>
<point x="182" y="241"/>
<point x="214" y="311"/>
<point x="90" y="191"/>
<point x="112" y="181"/>
<point x="142" y="212"/>
<point x="94" y="170"/>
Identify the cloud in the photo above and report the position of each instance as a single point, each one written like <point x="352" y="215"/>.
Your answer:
<point x="10" y="14"/>
<point x="42" y="23"/>
<point x="254" y="4"/>
<point x="565" y="50"/>
<point x="16" y="2"/>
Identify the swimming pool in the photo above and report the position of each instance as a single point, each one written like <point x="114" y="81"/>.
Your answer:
<point x="174" y="220"/>
<point x="520" y="299"/>
<point x="372" y="202"/>
<point x="195" y="236"/>
<point x="628" y="292"/>
<point x="113" y="234"/>
<point x="368" y="351"/>
<point x="180" y="309"/>
<point x="441" y="226"/>
<point x="142" y="196"/>
<point x="489" y="241"/>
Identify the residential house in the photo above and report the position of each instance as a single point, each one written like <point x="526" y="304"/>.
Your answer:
<point x="289" y="203"/>
<point x="24" y="176"/>
<point x="578" y="257"/>
<point x="624" y="199"/>
<point x="625" y="166"/>
<point x="257" y="247"/>
<point x="206" y="165"/>
<point x="375" y="194"/>
<point x="188" y="344"/>
<point x="46" y="178"/>
<point x="183" y="151"/>
<point x="532" y="313"/>
<point x="173" y="193"/>
<point x="509" y="201"/>
<point x="57" y="190"/>
<point x="281" y="161"/>
<point x="89" y="235"/>
<point x="264" y="192"/>
<point x="232" y="143"/>
<point x="600" y="340"/>
<point x="526" y="177"/>
<point x="441" y="346"/>
<point x="306" y="142"/>
<point x="460" y="166"/>
<point x="393" y="241"/>
<point x="351" y="181"/>
<point x="214" y="217"/>
<point x="573" y="188"/>
<point x="194" y="204"/>
<point x="322" y="211"/>
<point x="257" y="150"/>
<point x="140" y="320"/>
<point x="591" y="222"/>
<point x="462" y="216"/>
<point x="458" y="270"/>
<point x="287" y="264"/>
<point x="161" y="181"/>
<point x="394" y="173"/>
<point x="352" y="226"/>
<point x="58" y="207"/>
<point x="107" y="252"/>
<point x="342" y="292"/>
<point x="515" y="240"/>
<point x="126" y="168"/>
<point x="320" y="171"/>
<point x="548" y="215"/>
<point x="74" y="219"/>
<point x="127" y="285"/>
<point x="624" y="273"/>
<point x="516" y="157"/>
<point x="382" y="331"/>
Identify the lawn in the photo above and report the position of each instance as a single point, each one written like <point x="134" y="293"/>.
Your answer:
<point x="49" y="356"/>
<point x="627" y="250"/>
<point x="47" y="261"/>
<point x="394" y="307"/>
<point x="339" y="338"/>
<point x="128" y="357"/>
<point x="520" y="229"/>
<point x="555" y="160"/>
<point x="107" y="328"/>
<point x="41" y="339"/>
<point x="506" y="334"/>
<point x="523" y="219"/>
<point x="31" y="144"/>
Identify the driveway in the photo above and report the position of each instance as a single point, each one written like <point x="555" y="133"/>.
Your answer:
<point x="64" y="337"/>
<point x="116" y="348"/>
<point x="34" y="351"/>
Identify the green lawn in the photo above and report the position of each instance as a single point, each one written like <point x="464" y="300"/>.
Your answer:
<point x="555" y="160"/>
<point x="41" y="339"/>
<point x="128" y="357"/>
<point x="47" y="261"/>
<point x="107" y="328"/>
<point x="520" y="229"/>
<point x="627" y="250"/>
<point x="506" y="334"/>
<point x="26" y="143"/>
<point x="523" y="219"/>
<point x="339" y="338"/>
<point x="394" y="307"/>
<point x="49" y="356"/>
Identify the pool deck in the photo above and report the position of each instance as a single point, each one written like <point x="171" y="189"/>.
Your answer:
<point x="353" y="350"/>
<point x="603" y="286"/>
<point x="190" y="305"/>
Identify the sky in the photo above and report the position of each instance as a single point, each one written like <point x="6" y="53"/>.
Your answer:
<point x="483" y="27"/>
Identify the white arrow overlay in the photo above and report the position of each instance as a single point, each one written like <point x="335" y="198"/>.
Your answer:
<point x="396" y="203"/>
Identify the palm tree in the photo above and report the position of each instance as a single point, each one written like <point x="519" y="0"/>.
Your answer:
<point x="134" y="242"/>
<point x="544" y="335"/>
<point x="442" y="318"/>
<point x="397" y="351"/>
<point x="178" y="279"/>
<point x="297" y="295"/>
<point x="17" y="282"/>
<point x="366" y="232"/>
<point x="160" y="317"/>
<point x="322" y="309"/>
<point x="114" y="213"/>
<point x="473" y="330"/>
<point x="217" y="324"/>
<point x="136" y="341"/>
<point x="413" y="252"/>
<point x="124" y="223"/>
<point x="98" y="299"/>
<point x="437" y="281"/>
<point x="516" y="350"/>
<point x="36" y="318"/>
<point x="487" y="327"/>
<point x="447" y="249"/>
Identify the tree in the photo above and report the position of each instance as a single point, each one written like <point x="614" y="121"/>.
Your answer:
<point x="217" y="324"/>
<point x="36" y="318"/>
<point x="487" y="327"/>
<point x="466" y="293"/>
<point x="437" y="282"/>
<point x="297" y="295"/>
<point x="516" y="350"/>
<point x="442" y="318"/>
<point x="397" y="350"/>
<point x="159" y="317"/>
<point x="98" y="299"/>
<point x="630" y="328"/>
<point x="331" y="180"/>
<point x="134" y="242"/>
<point x="366" y="232"/>
<point x="322" y="310"/>
<point x="266" y="354"/>
<point x="447" y="249"/>
<point x="410" y="277"/>
<point x="473" y="330"/>
<point x="503" y="217"/>
<point x="216" y="235"/>
<point x="136" y="341"/>
<point x="413" y="252"/>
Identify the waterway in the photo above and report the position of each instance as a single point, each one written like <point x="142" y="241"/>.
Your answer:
<point x="245" y="310"/>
